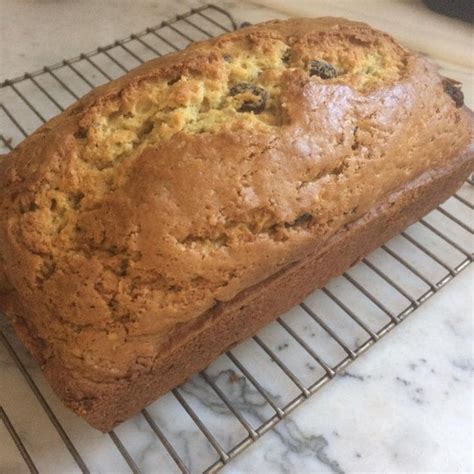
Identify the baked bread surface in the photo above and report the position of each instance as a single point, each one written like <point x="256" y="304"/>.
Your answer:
<point x="201" y="174"/>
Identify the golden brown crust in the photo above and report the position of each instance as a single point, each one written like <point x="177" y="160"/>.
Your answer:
<point x="200" y="341"/>
<point x="156" y="196"/>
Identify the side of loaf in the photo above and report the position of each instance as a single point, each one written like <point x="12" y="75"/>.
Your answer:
<point x="174" y="211"/>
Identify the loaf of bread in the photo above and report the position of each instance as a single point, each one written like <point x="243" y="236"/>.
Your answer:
<point x="173" y="212"/>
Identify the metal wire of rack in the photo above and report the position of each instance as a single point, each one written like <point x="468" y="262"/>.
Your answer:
<point x="247" y="391"/>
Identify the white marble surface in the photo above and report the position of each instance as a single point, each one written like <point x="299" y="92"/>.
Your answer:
<point x="405" y="406"/>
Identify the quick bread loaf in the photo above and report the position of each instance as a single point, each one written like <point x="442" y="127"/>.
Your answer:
<point x="171" y="213"/>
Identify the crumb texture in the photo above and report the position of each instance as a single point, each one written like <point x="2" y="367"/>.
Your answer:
<point x="201" y="174"/>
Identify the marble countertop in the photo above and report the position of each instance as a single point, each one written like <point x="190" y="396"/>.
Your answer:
<point x="404" y="406"/>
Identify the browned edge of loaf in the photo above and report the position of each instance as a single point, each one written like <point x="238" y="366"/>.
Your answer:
<point x="204" y="339"/>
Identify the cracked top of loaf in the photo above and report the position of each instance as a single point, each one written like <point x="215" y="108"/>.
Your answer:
<point x="202" y="173"/>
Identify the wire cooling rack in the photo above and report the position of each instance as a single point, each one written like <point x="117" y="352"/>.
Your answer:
<point x="206" y="422"/>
